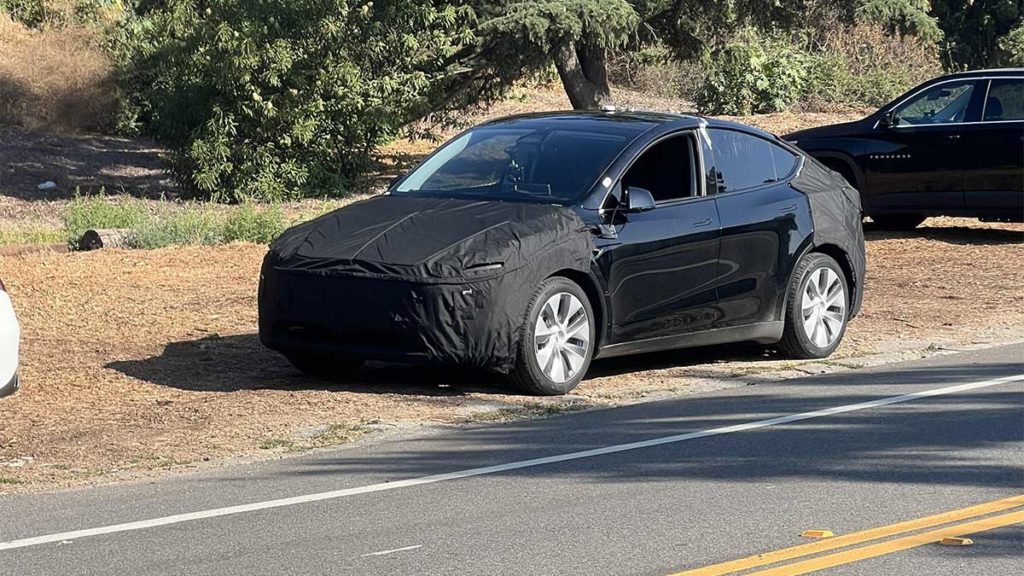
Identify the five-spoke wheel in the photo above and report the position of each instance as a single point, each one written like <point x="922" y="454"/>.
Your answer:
<point x="816" y="308"/>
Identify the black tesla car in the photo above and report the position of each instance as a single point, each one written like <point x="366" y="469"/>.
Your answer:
<point x="532" y="244"/>
<point x="953" y="146"/>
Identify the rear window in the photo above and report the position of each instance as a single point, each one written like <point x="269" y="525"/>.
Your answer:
<point x="1005" y="100"/>
<point x="743" y="161"/>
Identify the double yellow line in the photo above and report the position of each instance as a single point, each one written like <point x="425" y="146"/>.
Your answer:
<point x="878" y="549"/>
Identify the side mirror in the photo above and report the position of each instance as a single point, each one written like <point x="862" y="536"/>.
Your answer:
<point x="888" y="120"/>
<point x="639" y="199"/>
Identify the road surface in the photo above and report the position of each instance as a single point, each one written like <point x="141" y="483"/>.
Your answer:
<point x="889" y="460"/>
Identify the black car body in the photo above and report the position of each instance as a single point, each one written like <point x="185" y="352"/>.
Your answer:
<point x="951" y="146"/>
<point x="677" y="231"/>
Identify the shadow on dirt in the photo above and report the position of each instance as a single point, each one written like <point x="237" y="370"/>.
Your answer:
<point x="84" y="163"/>
<point x="233" y="363"/>
<point x="960" y="235"/>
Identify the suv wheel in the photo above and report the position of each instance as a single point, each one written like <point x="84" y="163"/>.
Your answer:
<point x="557" y="342"/>
<point x="816" y="308"/>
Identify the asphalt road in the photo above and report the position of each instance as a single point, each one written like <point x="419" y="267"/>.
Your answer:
<point x="648" y="489"/>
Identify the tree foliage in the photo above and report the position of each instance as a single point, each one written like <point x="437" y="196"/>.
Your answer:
<point x="272" y="99"/>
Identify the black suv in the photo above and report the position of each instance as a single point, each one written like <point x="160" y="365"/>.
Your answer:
<point x="953" y="146"/>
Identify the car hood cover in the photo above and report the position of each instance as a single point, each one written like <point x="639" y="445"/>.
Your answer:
<point x="430" y="239"/>
<point x="843" y="130"/>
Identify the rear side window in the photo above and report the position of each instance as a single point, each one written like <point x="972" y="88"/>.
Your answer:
<point x="1005" y="100"/>
<point x="743" y="161"/>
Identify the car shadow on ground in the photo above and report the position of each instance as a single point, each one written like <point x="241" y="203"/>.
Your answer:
<point x="960" y="235"/>
<point x="953" y="440"/>
<point x="240" y="362"/>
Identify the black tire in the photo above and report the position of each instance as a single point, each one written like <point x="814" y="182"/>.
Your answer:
<point x="527" y="374"/>
<point x="323" y="365"/>
<point x="901" y="222"/>
<point x="795" y="341"/>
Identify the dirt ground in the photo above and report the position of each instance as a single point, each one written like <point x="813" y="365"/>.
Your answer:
<point x="135" y="361"/>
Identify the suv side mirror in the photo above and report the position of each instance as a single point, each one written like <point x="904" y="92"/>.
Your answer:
<point x="888" y="120"/>
<point x="639" y="199"/>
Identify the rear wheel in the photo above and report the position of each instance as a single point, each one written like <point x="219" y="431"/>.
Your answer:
<point x="816" y="308"/>
<point x="557" y="342"/>
<point x="323" y="365"/>
<point x="902" y="222"/>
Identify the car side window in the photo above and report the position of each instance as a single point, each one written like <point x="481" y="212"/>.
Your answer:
<point x="943" y="104"/>
<point x="667" y="170"/>
<point x="1005" y="100"/>
<point x="744" y="161"/>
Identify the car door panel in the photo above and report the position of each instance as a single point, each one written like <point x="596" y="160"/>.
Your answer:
<point x="660" y="271"/>
<point x="763" y="231"/>
<point x="915" y="167"/>
<point x="994" y="177"/>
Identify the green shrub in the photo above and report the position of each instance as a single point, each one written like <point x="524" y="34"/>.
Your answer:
<point x="155" y="225"/>
<point x="1012" y="46"/>
<point x="96" y="212"/>
<point x="250" y="224"/>
<point x="863" y="66"/>
<point x="859" y="66"/>
<point x="273" y="99"/>
<point x="753" y="74"/>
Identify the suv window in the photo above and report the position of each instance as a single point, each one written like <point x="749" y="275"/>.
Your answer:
<point x="1005" y="100"/>
<point x="666" y="169"/>
<point x="942" y="104"/>
<point x="744" y="161"/>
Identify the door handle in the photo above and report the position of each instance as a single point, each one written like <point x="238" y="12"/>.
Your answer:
<point x="788" y="209"/>
<point x="704" y="222"/>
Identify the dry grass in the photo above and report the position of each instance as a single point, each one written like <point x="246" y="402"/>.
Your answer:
<point x="54" y="78"/>
<point x="142" y="360"/>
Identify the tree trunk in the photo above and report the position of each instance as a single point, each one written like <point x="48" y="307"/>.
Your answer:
<point x="584" y="74"/>
<point x="105" y="238"/>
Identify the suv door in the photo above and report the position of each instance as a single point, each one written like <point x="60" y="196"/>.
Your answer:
<point x="765" y="223"/>
<point x="660" y="268"/>
<point x="994" y="177"/>
<point x="918" y="161"/>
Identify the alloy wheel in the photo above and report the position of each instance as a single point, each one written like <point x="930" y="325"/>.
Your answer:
<point x="823" y="307"/>
<point x="561" y="337"/>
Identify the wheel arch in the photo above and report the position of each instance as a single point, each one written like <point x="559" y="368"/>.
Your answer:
<point x="594" y="293"/>
<point x="842" y="258"/>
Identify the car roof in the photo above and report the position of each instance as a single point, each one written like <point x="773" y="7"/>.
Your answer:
<point x="619" y="120"/>
<point x="984" y="73"/>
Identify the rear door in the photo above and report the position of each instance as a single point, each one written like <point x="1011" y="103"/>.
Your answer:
<point x="764" y="224"/>
<point x="919" y="161"/>
<point x="994" y="179"/>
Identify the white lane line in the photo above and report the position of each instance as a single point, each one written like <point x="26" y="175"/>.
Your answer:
<point x="385" y="552"/>
<point x="334" y="494"/>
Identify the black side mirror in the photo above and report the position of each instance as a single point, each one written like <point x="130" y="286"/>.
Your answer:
<point x="888" y="120"/>
<point x="639" y="199"/>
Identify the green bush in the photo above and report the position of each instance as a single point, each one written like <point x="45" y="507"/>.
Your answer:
<point x="1012" y="46"/>
<point x="863" y="66"/>
<point x="859" y="66"/>
<point x="274" y="99"/>
<point x="155" y="225"/>
<point x="97" y="212"/>
<point x="753" y="74"/>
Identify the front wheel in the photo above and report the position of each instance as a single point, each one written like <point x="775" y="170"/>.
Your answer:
<point x="816" y="308"/>
<point x="557" y="342"/>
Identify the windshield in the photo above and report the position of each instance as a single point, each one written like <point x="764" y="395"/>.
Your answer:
<point x="533" y="164"/>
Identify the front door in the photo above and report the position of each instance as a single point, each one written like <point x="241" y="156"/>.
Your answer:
<point x="660" y="269"/>
<point x="919" y="161"/>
